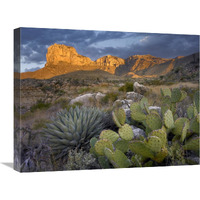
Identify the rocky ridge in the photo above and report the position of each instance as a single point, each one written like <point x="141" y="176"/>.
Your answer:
<point x="62" y="59"/>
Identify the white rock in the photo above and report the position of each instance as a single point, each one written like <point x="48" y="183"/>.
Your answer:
<point x="134" y="96"/>
<point x="138" y="132"/>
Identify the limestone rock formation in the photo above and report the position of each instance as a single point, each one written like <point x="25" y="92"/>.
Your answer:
<point x="110" y="63"/>
<point x="61" y="53"/>
<point x="62" y="59"/>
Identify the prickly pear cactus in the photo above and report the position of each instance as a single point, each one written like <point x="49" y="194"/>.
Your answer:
<point x="140" y="148"/>
<point x="110" y="135"/>
<point x="137" y="113"/>
<point x="190" y="112"/>
<point x="178" y="126"/>
<point x="126" y="132"/>
<point x="119" y="160"/>
<point x="154" y="121"/>
<point x="160" y="134"/>
<point x="184" y="130"/>
<point x="120" y="115"/>
<point x="196" y="101"/>
<point x="154" y="143"/>
<point x="116" y="121"/>
<point x="122" y="145"/>
<point x="192" y="144"/>
<point x="176" y="95"/>
<point x="165" y="92"/>
<point x="168" y="119"/>
<point x="194" y="124"/>
<point x="101" y="145"/>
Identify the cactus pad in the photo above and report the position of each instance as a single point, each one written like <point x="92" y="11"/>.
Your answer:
<point x="192" y="144"/>
<point x="101" y="145"/>
<point x="190" y="112"/>
<point x="184" y="130"/>
<point x="138" y="147"/>
<point x="104" y="162"/>
<point x="110" y="135"/>
<point x="108" y="153"/>
<point x="196" y="100"/>
<point x="165" y="92"/>
<point x="154" y="121"/>
<point x="183" y="95"/>
<point x="154" y="143"/>
<point x="178" y="126"/>
<point x="176" y="95"/>
<point x="120" y="160"/>
<point x="122" y="145"/>
<point x="114" y="117"/>
<point x="126" y="132"/>
<point x="120" y="115"/>
<point x="160" y="134"/>
<point x="136" y="112"/>
<point x="144" y="103"/>
<point x="160" y="156"/>
<point x="166" y="100"/>
<point x="194" y="125"/>
<point x="168" y="119"/>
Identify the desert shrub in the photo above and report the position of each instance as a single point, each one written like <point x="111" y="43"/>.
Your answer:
<point x="30" y="154"/>
<point x="46" y="88"/>
<point x="59" y="92"/>
<point x="109" y="98"/>
<point x="40" y="123"/>
<point x="80" y="160"/>
<point x="83" y="90"/>
<point x="128" y="87"/>
<point x="40" y="105"/>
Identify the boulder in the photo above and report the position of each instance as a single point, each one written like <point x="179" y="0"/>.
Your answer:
<point x="99" y="96"/>
<point x="89" y="99"/>
<point x="156" y="108"/>
<point x="134" y="96"/>
<point x="139" y="88"/>
<point x="86" y="99"/>
<point x="138" y="132"/>
<point x="125" y="103"/>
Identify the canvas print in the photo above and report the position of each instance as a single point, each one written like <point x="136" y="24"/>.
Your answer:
<point x="104" y="99"/>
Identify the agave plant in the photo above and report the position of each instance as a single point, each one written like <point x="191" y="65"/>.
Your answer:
<point x="73" y="128"/>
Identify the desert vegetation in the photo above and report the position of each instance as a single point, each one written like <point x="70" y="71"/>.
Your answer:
<point x="95" y="123"/>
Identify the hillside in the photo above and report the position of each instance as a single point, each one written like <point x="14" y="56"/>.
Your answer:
<point x="62" y="59"/>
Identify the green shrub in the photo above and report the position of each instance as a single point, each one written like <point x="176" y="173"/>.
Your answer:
<point x="40" y="123"/>
<point x="128" y="87"/>
<point x="80" y="160"/>
<point x="109" y="98"/>
<point x="40" y="105"/>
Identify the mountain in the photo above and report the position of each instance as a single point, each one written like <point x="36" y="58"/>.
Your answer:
<point x="62" y="59"/>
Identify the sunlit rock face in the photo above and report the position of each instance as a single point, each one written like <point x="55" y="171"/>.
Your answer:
<point x="61" y="53"/>
<point x="110" y="63"/>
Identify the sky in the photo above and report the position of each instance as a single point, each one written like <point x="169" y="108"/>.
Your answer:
<point x="96" y="44"/>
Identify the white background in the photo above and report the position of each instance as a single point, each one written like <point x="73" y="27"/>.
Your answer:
<point x="142" y="16"/>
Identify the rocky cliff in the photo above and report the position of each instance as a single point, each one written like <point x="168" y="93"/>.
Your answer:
<point x="109" y="63"/>
<point x="62" y="59"/>
<point x="59" y="53"/>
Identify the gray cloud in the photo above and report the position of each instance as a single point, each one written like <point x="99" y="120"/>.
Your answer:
<point x="31" y="69"/>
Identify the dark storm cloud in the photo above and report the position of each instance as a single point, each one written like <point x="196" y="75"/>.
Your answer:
<point x="95" y="44"/>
